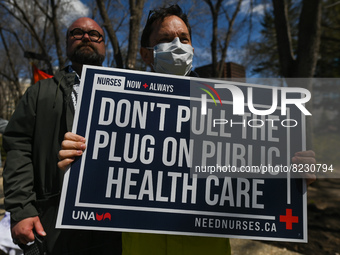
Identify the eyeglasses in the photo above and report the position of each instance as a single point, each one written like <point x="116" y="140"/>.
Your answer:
<point x="78" y="34"/>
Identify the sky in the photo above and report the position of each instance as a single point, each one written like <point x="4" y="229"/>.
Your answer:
<point x="236" y="51"/>
<point x="77" y="9"/>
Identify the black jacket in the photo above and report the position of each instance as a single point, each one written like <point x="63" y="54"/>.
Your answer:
<point x="32" y="141"/>
<point x="32" y="179"/>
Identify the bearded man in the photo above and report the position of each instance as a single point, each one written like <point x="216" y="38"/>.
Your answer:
<point x="32" y="179"/>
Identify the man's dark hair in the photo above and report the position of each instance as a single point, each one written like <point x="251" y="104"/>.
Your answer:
<point x="161" y="13"/>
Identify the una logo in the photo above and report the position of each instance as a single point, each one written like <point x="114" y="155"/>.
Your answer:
<point x="103" y="216"/>
<point x="85" y="215"/>
<point x="204" y="97"/>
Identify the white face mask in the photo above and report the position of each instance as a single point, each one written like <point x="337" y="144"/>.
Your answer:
<point x="173" y="58"/>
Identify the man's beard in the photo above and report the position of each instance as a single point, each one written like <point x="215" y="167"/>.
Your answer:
<point x="86" y="57"/>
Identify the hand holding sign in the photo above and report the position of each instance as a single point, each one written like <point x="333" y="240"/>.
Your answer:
<point x="305" y="157"/>
<point x="72" y="146"/>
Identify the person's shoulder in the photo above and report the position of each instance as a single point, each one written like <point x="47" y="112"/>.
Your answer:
<point x="46" y="84"/>
<point x="58" y="78"/>
<point x="62" y="73"/>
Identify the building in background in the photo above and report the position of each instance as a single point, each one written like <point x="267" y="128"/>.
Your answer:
<point x="230" y="70"/>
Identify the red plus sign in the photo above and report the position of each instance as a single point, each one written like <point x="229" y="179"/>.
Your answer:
<point x="289" y="219"/>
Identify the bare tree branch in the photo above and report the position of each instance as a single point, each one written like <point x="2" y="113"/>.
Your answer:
<point x="53" y="18"/>
<point x="15" y="36"/>
<point x="15" y="78"/>
<point x="29" y="26"/>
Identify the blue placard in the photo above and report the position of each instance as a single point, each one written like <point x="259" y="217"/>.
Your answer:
<point x="171" y="155"/>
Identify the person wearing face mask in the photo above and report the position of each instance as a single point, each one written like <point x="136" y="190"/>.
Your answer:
<point x="172" y="58"/>
<point x="166" y="42"/>
<point x="166" y="47"/>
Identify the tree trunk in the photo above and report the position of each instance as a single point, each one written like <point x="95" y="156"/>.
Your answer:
<point x="136" y="11"/>
<point x="303" y="65"/>
<point x="214" y="13"/>
<point x="228" y="38"/>
<point x="309" y="38"/>
<point x="111" y="34"/>
<point x="283" y="37"/>
<point x="55" y="24"/>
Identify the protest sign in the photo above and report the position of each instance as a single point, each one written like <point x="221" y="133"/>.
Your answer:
<point x="189" y="156"/>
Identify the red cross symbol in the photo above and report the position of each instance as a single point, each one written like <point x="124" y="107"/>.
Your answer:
<point x="289" y="219"/>
<point x="145" y="85"/>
